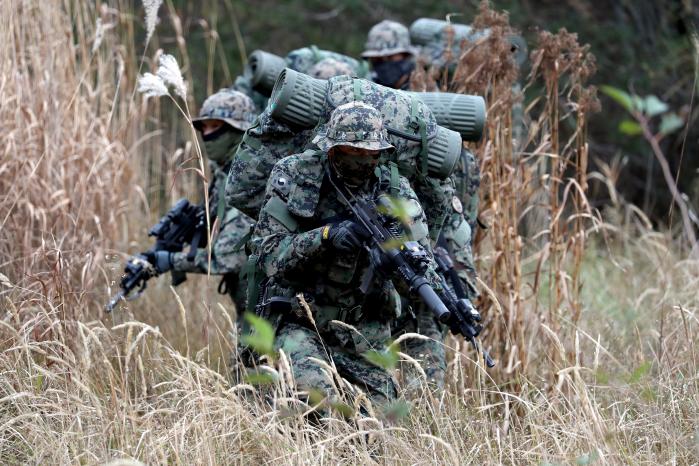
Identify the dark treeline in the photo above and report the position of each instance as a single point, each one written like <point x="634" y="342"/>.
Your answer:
<point x="643" y="47"/>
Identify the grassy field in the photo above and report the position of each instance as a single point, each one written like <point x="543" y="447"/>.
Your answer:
<point x="592" y="316"/>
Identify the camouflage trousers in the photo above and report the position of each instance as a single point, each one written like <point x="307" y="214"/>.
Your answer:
<point x="429" y="353"/>
<point x="342" y="349"/>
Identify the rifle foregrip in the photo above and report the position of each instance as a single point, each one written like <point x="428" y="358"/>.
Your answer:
<point x="432" y="301"/>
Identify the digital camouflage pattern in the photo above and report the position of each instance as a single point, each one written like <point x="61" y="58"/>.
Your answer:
<point x="430" y="354"/>
<point x="457" y="231"/>
<point x="243" y="83"/>
<point x="263" y="145"/>
<point x="229" y="105"/>
<point x="290" y="251"/>
<point x="228" y="253"/>
<point x="462" y="222"/>
<point x="303" y="60"/>
<point x="269" y="140"/>
<point x="353" y="124"/>
<point x="467" y="181"/>
<point x="301" y="343"/>
<point x="329" y="68"/>
<point x="387" y="38"/>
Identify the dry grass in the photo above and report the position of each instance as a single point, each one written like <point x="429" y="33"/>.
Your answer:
<point x="595" y="334"/>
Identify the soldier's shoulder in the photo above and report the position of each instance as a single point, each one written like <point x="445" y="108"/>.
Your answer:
<point x="297" y="169"/>
<point x="302" y="164"/>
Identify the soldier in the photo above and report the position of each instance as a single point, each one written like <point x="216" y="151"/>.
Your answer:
<point x="460" y="228"/>
<point x="307" y="244"/>
<point x="222" y="121"/>
<point x="390" y="54"/>
<point x="457" y="239"/>
<point x="270" y="140"/>
<point x="329" y="68"/>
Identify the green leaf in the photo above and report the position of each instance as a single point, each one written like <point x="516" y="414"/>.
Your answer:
<point x="381" y="359"/>
<point x="670" y="123"/>
<point x="396" y="208"/>
<point x="260" y="378"/>
<point x="386" y="359"/>
<point x="653" y="106"/>
<point x="38" y="382"/>
<point x="630" y="128"/>
<point x="262" y="339"/>
<point x="315" y="397"/>
<point x="621" y="97"/>
<point x="638" y="103"/>
<point x="602" y="377"/>
<point x="396" y="411"/>
<point x="639" y="372"/>
<point x="343" y="408"/>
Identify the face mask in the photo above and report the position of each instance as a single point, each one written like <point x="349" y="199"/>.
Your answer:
<point x="353" y="169"/>
<point x="221" y="144"/>
<point x="388" y="73"/>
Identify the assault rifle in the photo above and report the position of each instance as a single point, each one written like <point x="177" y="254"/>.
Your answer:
<point x="408" y="261"/>
<point x="183" y="224"/>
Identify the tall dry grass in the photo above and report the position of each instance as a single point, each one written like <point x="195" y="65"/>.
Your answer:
<point x="596" y="334"/>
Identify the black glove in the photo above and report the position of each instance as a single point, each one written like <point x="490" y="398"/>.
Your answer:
<point x="160" y="260"/>
<point x="346" y="236"/>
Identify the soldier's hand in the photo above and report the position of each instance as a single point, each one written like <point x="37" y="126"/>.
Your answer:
<point x="346" y="236"/>
<point x="160" y="260"/>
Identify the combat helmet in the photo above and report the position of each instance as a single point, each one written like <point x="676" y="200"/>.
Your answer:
<point x="233" y="107"/>
<point x="354" y="124"/>
<point x="329" y="68"/>
<point x="387" y="38"/>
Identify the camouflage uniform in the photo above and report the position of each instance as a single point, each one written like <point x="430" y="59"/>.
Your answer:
<point x="460" y="227"/>
<point x="290" y="248"/>
<point x="269" y="140"/>
<point x="304" y="59"/>
<point x="321" y="64"/>
<point x="227" y="254"/>
<point x="458" y="239"/>
<point x="329" y="68"/>
<point x="386" y="39"/>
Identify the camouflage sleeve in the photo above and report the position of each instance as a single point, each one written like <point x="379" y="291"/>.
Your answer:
<point x="458" y="236"/>
<point x="227" y="256"/>
<point x="467" y="181"/>
<point x="462" y="220"/>
<point x="418" y="231"/>
<point x="263" y="145"/>
<point x="280" y="248"/>
<point x="436" y="194"/>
